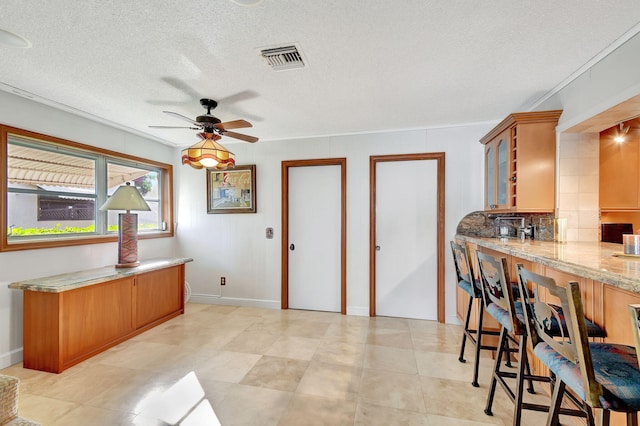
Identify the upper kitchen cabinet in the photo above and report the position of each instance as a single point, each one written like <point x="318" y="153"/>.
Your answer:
<point x="520" y="163"/>
<point x="620" y="168"/>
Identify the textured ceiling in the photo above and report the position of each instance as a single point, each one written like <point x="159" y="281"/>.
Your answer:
<point x="372" y="65"/>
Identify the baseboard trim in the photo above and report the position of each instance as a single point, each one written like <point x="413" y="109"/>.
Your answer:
<point x="360" y="311"/>
<point x="453" y="319"/>
<point x="234" y="301"/>
<point x="10" y="358"/>
<point x="209" y="299"/>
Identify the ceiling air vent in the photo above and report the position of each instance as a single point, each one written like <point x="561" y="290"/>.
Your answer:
<point x="283" y="58"/>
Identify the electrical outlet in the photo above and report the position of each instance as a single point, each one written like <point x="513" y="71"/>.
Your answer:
<point x="223" y="281"/>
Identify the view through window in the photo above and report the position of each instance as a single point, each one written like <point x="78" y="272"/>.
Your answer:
<point x="54" y="191"/>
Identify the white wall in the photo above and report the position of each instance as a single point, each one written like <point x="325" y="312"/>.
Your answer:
<point x="235" y="246"/>
<point x="17" y="266"/>
<point x="609" y="82"/>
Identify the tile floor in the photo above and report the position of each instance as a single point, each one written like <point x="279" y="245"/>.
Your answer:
<point x="271" y="367"/>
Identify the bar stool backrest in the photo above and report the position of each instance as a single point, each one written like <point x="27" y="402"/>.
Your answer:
<point x="634" y="312"/>
<point x="463" y="266"/>
<point x="574" y="346"/>
<point x="496" y="287"/>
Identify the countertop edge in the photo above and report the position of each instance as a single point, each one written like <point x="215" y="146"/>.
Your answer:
<point x="78" y="279"/>
<point x="599" y="274"/>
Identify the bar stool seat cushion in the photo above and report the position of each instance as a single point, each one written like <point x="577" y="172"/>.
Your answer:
<point x="615" y="368"/>
<point x="467" y="287"/>
<point x="502" y="315"/>
<point x="593" y="330"/>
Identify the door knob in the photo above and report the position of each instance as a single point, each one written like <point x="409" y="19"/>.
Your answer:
<point x="377" y="248"/>
<point x="292" y="247"/>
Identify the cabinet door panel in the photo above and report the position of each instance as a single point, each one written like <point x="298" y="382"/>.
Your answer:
<point x="497" y="172"/>
<point x="616" y="316"/>
<point x="503" y="169"/>
<point x="618" y="174"/>
<point x="94" y="316"/>
<point x="490" y="180"/>
<point x="157" y="294"/>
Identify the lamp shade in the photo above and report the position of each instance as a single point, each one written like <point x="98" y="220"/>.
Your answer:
<point x="126" y="197"/>
<point x="208" y="153"/>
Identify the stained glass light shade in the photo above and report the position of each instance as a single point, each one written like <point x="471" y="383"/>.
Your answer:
<point x="208" y="153"/>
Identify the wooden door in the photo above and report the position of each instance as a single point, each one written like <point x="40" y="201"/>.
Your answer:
<point x="406" y="235"/>
<point x="314" y="238"/>
<point x="314" y="245"/>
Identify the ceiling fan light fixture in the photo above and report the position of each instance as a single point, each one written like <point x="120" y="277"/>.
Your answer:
<point x="210" y="154"/>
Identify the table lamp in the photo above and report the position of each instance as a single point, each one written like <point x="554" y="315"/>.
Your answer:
<point x="127" y="198"/>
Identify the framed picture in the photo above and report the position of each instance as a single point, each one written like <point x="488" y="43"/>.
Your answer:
<point x="232" y="190"/>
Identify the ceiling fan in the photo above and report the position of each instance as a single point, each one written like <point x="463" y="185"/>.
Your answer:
<point x="212" y="127"/>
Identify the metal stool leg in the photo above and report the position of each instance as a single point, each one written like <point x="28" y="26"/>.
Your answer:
<point x="502" y="342"/>
<point x="476" y="367"/>
<point x="466" y="330"/>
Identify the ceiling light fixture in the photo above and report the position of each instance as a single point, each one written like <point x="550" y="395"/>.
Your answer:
<point x="621" y="133"/>
<point x="13" y="40"/>
<point x="208" y="153"/>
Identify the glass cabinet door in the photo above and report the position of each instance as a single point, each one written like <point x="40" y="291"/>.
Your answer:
<point x="490" y="193"/>
<point x="503" y="172"/>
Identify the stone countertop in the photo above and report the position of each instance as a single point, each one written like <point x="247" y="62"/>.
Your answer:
<point x="73" y="280"/>
<point x="595" y="260"/>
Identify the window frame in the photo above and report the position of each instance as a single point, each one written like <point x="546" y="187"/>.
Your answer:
<point x="166" y="186"/>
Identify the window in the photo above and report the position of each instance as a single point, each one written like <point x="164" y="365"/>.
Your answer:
<point x="53" y="190"/>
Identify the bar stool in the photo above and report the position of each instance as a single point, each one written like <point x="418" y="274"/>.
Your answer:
<point x="467" y="282"/>
<point x="604" y="376"/>
<point x="499" y="302"/>
<point x="634" y="313"/>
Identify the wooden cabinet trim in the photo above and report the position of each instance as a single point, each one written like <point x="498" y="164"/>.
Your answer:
<point x="521" y="118"/>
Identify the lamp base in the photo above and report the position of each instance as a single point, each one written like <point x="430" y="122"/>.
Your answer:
<point x="127" y="240"/>
<point x="128" y="265"/>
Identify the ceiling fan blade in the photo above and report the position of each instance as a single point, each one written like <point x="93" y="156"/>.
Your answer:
<point x="236" y="124"/>
<point x="174" y="127"/>
<point x="240" y="136"/>
<point x="182" y="117"/>
<point x="239" y="97"/>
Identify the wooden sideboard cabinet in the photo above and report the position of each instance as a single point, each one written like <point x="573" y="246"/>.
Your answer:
<point x="520" y="157"/>
<point x="80" y="317"/>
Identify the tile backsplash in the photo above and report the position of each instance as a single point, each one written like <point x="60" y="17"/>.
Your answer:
<point x="485" y="224"/>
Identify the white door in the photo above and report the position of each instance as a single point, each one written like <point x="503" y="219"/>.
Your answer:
<point x="314" y="238"/>
<point x="406" y="239"/>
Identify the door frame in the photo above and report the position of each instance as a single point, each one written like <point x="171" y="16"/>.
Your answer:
<point x="373" y="161"/>
<point x="286" y="165"/>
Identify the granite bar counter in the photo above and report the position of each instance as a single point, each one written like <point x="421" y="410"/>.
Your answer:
<point x="604" y="262"/>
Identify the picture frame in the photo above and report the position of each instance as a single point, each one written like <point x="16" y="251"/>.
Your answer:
<point x="232" y="190"/>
